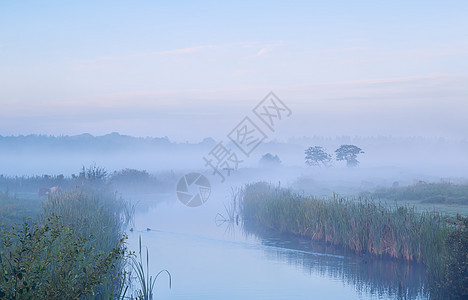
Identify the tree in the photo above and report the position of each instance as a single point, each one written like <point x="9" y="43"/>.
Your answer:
<point x="316" y="156"/>
<point x="348" y="153"/>
<point x="269" y="160"/>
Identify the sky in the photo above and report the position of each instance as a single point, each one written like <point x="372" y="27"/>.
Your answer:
<point x="192" y="69"/>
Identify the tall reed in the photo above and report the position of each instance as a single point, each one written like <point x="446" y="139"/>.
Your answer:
<point x="361" y="226"/>
<point x="144" y="279"/>
<point x="98" y="216"/>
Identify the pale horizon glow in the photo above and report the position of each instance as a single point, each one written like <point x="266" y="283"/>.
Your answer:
<point x="188" y="71"/>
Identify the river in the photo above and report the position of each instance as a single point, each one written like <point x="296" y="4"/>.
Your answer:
<point x="211" y="259"/>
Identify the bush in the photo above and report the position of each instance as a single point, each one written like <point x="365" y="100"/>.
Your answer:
<point x="51" y="261"/>
<point x="455" y="281"/>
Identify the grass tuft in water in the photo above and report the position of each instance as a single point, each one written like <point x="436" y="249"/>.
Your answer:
<point x="144" y="279"/>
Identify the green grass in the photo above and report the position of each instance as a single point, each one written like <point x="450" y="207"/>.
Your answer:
<point x="144" y="279"/>
<point x="50" y="261"/>
<point x="14" y="209"/>
<point x="449" y="199"/>
<point x="455" y="280"/>
<point x="126" y="180"/>
<point x="99" y="215"/>
<point x="362" y="226"/>
<point x="75" y="247"/>
<point x="431" y="193"/>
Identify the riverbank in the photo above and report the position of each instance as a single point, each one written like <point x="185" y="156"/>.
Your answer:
<point x="362" y="226"/>
<point x="75" y="249"/>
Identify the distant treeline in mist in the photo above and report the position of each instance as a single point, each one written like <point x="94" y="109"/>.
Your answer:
<point x="87" y="141"/>
<point x="33" y="154"/>
<point x="115" y="140"/>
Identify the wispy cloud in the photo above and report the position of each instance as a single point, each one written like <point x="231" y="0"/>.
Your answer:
<point x="264" y="48"/>
<point x="185" y="50"/>
<point x="268" y="48"/>
<point x="262" y="51"/>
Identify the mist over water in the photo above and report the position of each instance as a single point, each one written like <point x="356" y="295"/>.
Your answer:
<point x="384" y="161"/>
<point x="237" y="93"/>
<point x="210" y="257"/>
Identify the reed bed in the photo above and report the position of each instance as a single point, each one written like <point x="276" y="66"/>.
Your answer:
<point x="361" y="226"/>
<point x="99" y="216"/>
<point x="75" y="250"/>
<point x="96" y="214"/>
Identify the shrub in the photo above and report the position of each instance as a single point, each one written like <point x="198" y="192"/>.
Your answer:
<point x="455" y="280"/>
<point x="51" y="261"/>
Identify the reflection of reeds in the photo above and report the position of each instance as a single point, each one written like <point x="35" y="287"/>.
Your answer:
<point x="231" y="212"/>
<point x="386" y="278"/>
<point x="129" y="214"/>
<point x="362" y="226"/>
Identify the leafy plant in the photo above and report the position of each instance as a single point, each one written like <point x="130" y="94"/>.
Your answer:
<point x="50" y="261"/>
<point x="455" y="277"/>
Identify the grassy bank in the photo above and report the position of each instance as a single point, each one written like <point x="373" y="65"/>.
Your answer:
<point x="360" y="226"/>
<point x="14" y="209"/>
<point x="131" y="180"/>
<point x="428" y="193"/>
<point x="74" y="250"/>
<point x="70" y="244"/>
<point x="447" y="198"/>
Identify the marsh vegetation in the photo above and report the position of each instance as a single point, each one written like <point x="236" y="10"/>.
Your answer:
<point x="367" y="228"/>
<point x="74" y="240"/>
<point x="70" y="244"/>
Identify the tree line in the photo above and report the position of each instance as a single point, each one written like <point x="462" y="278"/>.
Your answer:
<point x="318" y="156"/>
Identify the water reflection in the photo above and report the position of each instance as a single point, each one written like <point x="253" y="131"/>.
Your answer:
<point x="378" y="277"/>
<point x="212" y="254"/>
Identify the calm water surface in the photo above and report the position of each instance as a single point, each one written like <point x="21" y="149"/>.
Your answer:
<point x="229" y="261"/>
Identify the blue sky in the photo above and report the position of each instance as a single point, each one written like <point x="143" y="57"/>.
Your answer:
<point x="188" y="69"/>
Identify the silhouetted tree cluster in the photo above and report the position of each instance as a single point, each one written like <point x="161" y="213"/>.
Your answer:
<point x="269" y="160"/>
<point x="317" y="155"/>
<point x="348" y="153"/>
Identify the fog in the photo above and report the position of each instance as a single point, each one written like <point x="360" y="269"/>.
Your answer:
<point x="172" y="110"/>
<point x="384" y="161"/>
